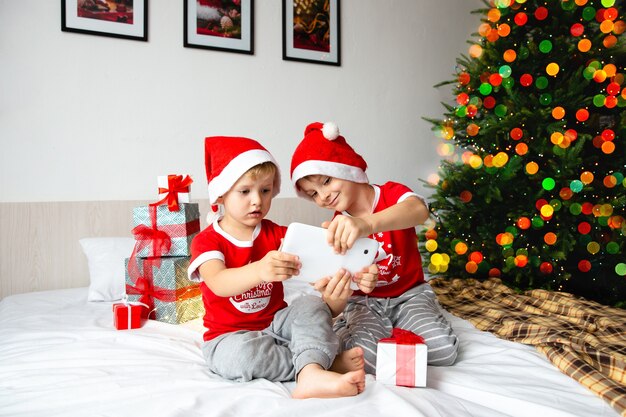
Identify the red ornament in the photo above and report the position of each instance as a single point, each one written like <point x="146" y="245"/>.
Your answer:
<point x="489" y="102"/>
<point x="476" y="257"/>
<point x="541" y="13"/>
<point x="540" y="203"/>
<point x="545" y="268"/>
<point x="526" y="80"/>
<point x="612" y="89"/>
<point x="587" y="208"/>
<point x="523" y="223"/>
<point x="516" y="133"/>
<point x="584" y="266"/>
<point x="520" y="19"/>
<point x="608" y="135"/>
<point x="584" y="228"/>
<point x="577" y="29"/>
<point x="495" y="79"/>
<point x="582" y="115"/>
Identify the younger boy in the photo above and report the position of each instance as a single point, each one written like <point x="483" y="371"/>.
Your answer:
<point x="251" y="331"/>
<point x="327" y="171"/>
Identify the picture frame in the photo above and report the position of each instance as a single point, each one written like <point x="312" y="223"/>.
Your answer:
<point x="125" y="19"/>
<point x="312" y="31"/>
<point x="222" y="25"/>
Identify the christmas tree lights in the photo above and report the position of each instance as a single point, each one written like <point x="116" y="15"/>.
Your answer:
<point x="534" y="191"/>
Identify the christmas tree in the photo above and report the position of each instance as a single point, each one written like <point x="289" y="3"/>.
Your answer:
<point x="532" y="188"/>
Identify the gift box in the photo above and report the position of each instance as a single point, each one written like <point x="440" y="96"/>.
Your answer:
<point x="163" y="285"/>
<point x="173" y="190"/>
<point x="128" y="315"/>
<point x="161" y="232"/>
<point x="402" y="359"/>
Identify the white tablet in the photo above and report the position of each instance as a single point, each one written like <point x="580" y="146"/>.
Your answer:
<point x="319" y="259"/>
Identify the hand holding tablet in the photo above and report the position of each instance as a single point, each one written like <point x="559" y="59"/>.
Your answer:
<point x="319" y="259"/>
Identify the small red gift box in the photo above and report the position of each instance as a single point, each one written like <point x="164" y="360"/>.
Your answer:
<point x="402" y="359"/>
<point x="127" y="315"/>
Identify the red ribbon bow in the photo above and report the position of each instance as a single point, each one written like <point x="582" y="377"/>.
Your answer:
<point x="403" y="337"/>
<point x="175" y="184"/>
<point x="144" y="235"/>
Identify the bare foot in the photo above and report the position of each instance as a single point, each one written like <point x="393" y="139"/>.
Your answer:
<point x="349" y="360"/>
<point x="316" y="382"/>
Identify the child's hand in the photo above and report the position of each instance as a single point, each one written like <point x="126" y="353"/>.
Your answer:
<point x="343" y="231"/>
<point x="278" y="266"/>
<point x="367" y="278"/>
<point x="335" y="289"/>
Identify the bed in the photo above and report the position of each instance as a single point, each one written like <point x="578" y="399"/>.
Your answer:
<point x="61" y="356"/>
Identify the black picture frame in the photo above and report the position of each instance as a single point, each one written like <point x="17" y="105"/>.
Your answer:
<point x="128" y="20"/>
<point x="228" y="28"/>
<point x="312" y="31"/>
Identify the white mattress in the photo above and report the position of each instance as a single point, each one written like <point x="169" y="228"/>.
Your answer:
<point x="61" y="356"/>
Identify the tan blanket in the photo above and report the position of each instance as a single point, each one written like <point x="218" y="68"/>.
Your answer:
<point x="584" y="339"/>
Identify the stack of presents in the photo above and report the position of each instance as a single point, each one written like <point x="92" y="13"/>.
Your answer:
<point x="157" y="286"/>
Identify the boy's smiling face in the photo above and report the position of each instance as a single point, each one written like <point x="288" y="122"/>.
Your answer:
<point x="329" y="192"/>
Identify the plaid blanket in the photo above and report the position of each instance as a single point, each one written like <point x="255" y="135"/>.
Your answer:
<point x="584" y="339"/>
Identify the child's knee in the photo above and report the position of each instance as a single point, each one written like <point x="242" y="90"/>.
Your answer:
<point x="313" y="308"/>
<point x="446" y="354"/>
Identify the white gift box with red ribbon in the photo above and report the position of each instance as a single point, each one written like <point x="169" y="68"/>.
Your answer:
<point x="402" y="359"/>
<point x="173" y="190"/>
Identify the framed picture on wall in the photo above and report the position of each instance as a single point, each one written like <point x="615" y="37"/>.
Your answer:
<point x="225" y="25"/>
<point x="311" y="31"/>
<point x="127" y="19"/>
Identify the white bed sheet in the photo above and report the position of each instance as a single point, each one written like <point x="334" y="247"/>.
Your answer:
<point x="61" y="356"/>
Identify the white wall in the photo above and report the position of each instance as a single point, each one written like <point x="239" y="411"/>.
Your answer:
<point x="86" y="117"/>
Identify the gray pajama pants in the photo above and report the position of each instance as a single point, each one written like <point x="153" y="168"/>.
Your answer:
<point x="300" y="334"/>
<point x="366" y="320"/>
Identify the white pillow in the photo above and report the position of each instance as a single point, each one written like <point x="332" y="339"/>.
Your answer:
<point x="105" y="258"/>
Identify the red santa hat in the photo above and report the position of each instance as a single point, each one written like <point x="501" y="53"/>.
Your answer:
<point x="323" y="151"/>
<point x="228" y="158"/>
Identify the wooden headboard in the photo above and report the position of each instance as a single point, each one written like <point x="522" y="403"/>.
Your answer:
<point x="39" y="248"/>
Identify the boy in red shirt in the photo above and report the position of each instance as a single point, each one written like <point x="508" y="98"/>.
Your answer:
<point x="251" y="331"/>
<point x="327" y="171"/>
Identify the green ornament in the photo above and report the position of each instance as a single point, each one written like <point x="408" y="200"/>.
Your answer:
<point x="598" y="100"/>
<point x="485" y="89"/>
<point x="589" y="13"/>
<point x="546" y="99"/>
<point x="545" y="46"/>
<point x="575" y="209"/>
<point x="548" y="183"/>
<point x="558" y="151"/>
<point x="612" y="248"/>
<point x="541" y="82"/>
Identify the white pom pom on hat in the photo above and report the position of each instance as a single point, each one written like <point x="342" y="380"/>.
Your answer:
<point x="330" y="131"/>
<point x="323" y="151"/>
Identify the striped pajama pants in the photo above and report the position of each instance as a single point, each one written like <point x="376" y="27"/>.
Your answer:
<point x="366" y="320"/>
